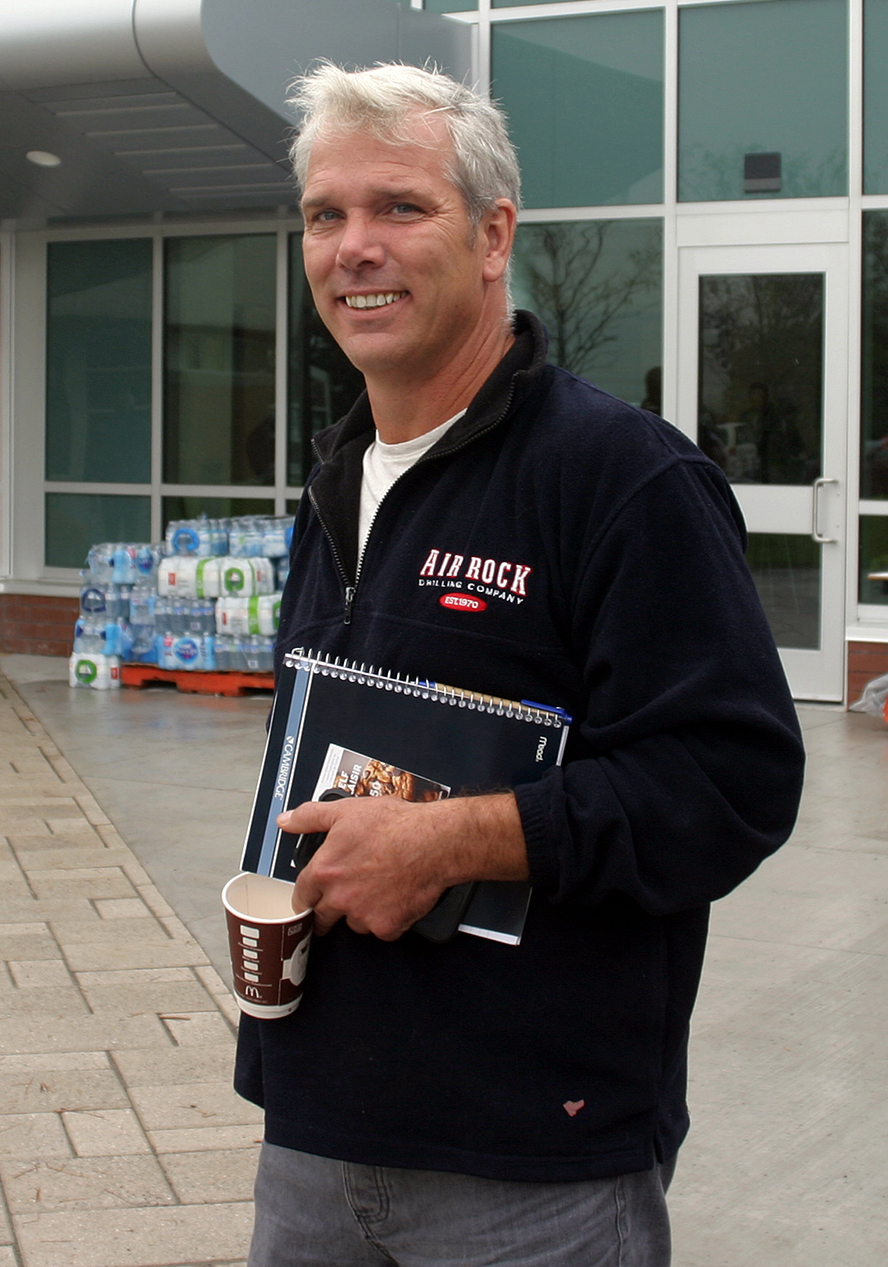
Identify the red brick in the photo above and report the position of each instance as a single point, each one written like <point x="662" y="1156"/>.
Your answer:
<point x="866" y="661"/>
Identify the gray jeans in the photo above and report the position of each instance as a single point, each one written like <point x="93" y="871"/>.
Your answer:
<point x="316" y="1212"/>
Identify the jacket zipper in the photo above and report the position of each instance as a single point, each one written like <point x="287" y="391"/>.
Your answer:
<point x="351" y="587"/>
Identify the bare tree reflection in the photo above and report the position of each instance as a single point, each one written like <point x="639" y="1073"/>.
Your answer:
<point x="761" y="372"/>
<point x="583" y="283"/>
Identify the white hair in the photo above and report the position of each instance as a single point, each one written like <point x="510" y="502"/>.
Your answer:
<point x="385" y="99"/>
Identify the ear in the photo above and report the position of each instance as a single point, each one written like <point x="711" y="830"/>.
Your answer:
<point x="497" y="230"/>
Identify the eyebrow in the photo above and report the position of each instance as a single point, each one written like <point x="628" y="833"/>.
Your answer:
<point x="405" y="194"/>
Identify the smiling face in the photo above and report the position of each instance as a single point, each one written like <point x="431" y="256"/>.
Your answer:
<point x="406" y="286"/>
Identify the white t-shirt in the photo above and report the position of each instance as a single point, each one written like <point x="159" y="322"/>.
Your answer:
<point x="384" y="463"/>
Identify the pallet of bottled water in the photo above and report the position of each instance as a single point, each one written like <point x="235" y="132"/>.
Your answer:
<point x="205" y="599"/>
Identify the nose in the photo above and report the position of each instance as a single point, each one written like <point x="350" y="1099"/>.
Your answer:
<point x="359" y="245"/>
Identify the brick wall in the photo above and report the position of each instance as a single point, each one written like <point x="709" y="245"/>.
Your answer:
<point x="36" y="625"/>
<point x="866" y="660"/>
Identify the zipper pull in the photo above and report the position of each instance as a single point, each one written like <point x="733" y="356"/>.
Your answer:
<point x="349" y="603"/>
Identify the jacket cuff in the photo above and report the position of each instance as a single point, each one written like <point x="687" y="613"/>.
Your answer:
<point x="534" y="806"/>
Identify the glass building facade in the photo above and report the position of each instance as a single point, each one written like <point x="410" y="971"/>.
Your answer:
<point x="185" y="368"/>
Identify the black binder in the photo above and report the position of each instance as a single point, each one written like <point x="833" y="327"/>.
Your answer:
<point x="339" y="727"/>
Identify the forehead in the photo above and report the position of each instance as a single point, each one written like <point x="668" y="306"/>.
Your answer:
<point x="420" y="156"/>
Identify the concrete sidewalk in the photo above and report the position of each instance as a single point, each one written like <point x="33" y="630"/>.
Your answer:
<point x="121" y="1140"/>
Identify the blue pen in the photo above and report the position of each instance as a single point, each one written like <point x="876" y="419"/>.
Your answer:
<point x="547" y="708"/>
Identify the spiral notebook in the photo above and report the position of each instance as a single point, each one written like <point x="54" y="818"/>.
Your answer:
<point x="364" y="732"/>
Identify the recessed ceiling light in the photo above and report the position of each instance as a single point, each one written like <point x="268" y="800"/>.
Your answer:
<point x="43" y="158"/>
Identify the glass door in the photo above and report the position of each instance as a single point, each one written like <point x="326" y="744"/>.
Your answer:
<point x="763" y="391"/>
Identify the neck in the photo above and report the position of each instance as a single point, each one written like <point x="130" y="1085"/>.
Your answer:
<point x="407" y="407"/>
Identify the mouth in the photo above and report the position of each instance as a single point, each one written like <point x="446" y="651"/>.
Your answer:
<point x="380" y="300"/>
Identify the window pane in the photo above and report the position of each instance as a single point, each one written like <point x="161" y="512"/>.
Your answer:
<point x="219" y="360"/>
<point x="597" y="287"/>
<point x="322" y="383"/>
<point x="760" y="398"/>
<point x="874" y="559"/>
<point x="874" y="367"/>
<point x="454" y="6"/>
<point x="76" y="521"/>
<point x="786" y="571"/>
<point x="213" y="507"/>
<point x="584" y="97"/>
<point x="763" y="100"/>
<point x="875" y="99"/>
<point x="98" y="361"/>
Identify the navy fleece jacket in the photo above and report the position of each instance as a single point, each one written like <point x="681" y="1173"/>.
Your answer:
<point x="601" y="555"/>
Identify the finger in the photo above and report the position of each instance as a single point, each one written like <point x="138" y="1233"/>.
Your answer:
<point x="307" y="893"/>
<point x="310" y="816"/>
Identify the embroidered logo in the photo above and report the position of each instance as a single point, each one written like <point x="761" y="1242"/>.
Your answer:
<point x="463" y="602"/>
<point x="493" y="578"/>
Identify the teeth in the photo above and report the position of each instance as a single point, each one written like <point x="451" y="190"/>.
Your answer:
<point x="374" y="301"/>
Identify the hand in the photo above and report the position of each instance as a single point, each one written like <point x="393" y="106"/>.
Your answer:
<point x="385" y="861"/>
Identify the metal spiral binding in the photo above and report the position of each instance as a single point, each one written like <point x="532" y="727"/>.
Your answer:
<point x="456" y="697"/>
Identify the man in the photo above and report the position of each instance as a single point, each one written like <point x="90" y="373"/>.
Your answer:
<point x="474" y="1102"/>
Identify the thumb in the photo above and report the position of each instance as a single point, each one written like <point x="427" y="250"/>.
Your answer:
<point x="310" y="816"/>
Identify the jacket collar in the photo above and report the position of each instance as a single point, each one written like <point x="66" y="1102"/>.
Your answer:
<point x="509" y="383"/>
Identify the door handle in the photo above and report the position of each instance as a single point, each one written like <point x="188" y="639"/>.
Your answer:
<point x="815" y="514"/>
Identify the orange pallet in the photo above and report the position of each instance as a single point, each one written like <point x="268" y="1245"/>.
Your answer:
<point x="196" y="682"/>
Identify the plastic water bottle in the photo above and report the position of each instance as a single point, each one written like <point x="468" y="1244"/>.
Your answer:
<point x="100" y="563"/>
<point x="100" y="672"/>
<point x="144" y="649"/>
<point x="142" y="600"/>
<point x="88" y="637"/>
<point x="163" y="611"/>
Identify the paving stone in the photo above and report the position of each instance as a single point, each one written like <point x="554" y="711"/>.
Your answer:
<point x="7" y="1236"/>
<point x="191" y="1104"/>
<point x="92" y="882"/>
<point x="176" y="1065"/>
<point x="54" y="1062"/>
<point x="136" y="953"/>
<point x="20" y="910"/>
<point x="61" y="1005"/>
<point x="33" y="1135"/>
<point x="89" y="806"/>
<point x="39" y="972"/>
<point x="105" y="1132"/>
<point x="53" y="855"/>
<point x="123" y="908"/>
<point x="85" y="1183"/>
<point x="226" y="1175"/>
<point x="92" y="929"/>
<point x="154" y="1237"/>
<point x="47" y="1033"/>
<point x="229" y="1009"/>
<point x="156" y="901"/>
<point x="197" y="1029"/>
<point x="200" y="1139"/>
<point x="162" y="997"/>
<point x="27" y="941"/>
<point x="42" y="1091"/>
<point x="73" y="828"/>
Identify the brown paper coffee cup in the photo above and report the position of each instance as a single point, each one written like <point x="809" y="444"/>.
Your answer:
<point x="269" y="944"/>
